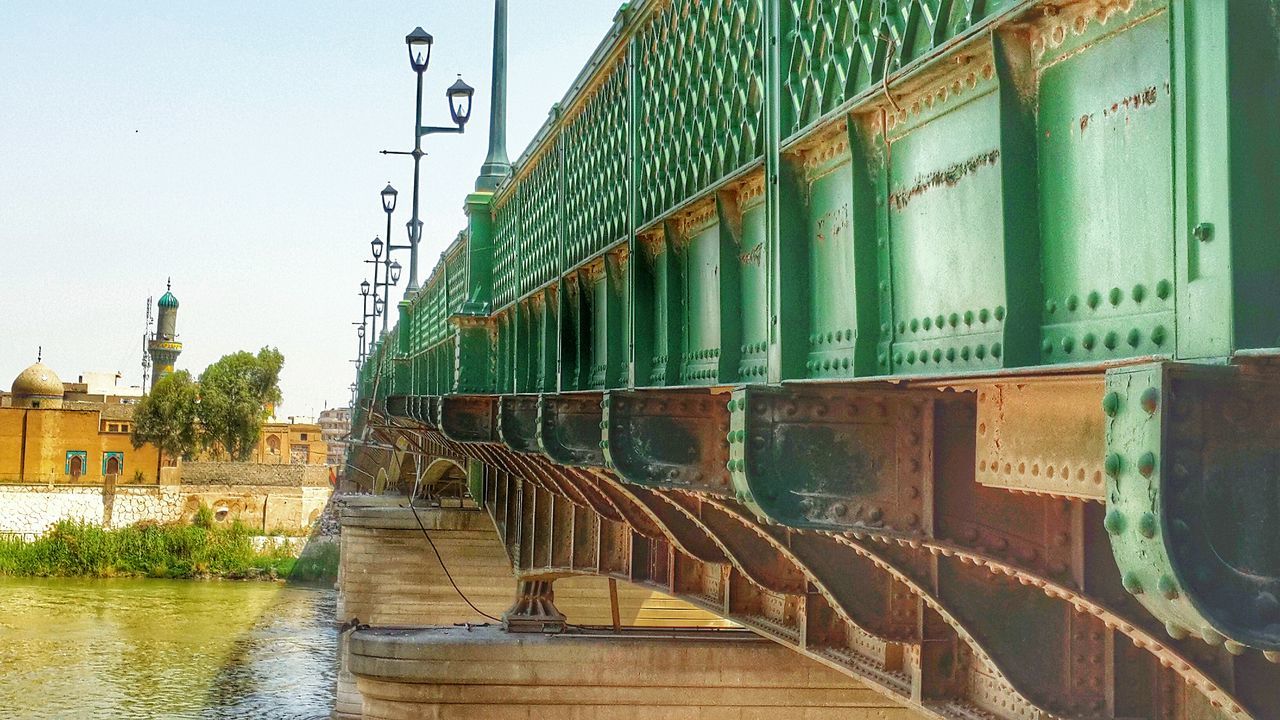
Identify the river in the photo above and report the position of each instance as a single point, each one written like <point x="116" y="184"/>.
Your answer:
<point x="125" y="649"/>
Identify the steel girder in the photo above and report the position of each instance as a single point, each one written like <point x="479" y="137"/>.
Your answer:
<point x="917" y="535"/>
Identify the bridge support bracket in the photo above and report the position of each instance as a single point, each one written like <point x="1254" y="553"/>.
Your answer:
<point x="469" y="418"/>
<point x="1193" y="473"/>
<point x="535" y="609"/>
<point x="838" y="457"/>
<point x="668" y="439"/>
<point x="569" y="431"/>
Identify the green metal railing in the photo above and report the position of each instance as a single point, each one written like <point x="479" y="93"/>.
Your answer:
<point x="742" y="191"/>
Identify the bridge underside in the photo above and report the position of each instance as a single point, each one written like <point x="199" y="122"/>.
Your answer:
<point x="947" y="543"/>
<point x="934" y="339"/>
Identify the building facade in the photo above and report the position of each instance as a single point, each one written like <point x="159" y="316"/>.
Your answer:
<point x="335" y="423"/>
<point x="50" y="434"/>
<point x="291" y="443"/>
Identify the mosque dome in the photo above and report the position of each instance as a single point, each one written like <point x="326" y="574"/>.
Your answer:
<point x="168" y="301"/>
<point x="38" y="381"/>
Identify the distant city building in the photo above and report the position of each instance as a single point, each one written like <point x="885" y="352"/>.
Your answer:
<point x="164" y="347"/>
<point x="291" y="443"/>
<point x="336" y="424"/>
<point x="55" y="432"/>
<point x="103" y="385"/>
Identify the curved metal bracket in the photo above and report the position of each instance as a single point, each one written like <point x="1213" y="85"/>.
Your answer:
<point x="1193" y="465"/>
<point x="518" y="422"/>
<point x="469" y="418"/>
<point x="668" y="439"/>
<point x="836" y="457"/>
<point x="569" y="431"/>
<point x="423" y="409"/>
<point x="397" y="406"/>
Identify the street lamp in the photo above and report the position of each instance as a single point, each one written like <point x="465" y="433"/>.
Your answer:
<point x="376" y="247"/>
<point x="389" y="201"/>
<point x="460" y="97"/>
<point x="419" y="42"/>
<point x="395" y="272"/>
<point x="389" y="206"/>
<point x="364" y="316"/>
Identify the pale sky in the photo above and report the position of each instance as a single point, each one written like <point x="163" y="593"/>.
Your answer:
<point x="233" y="145"/>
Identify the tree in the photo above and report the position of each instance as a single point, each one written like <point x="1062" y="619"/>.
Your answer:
<point x="167" y="417"/>
<point x="236" y="395"/>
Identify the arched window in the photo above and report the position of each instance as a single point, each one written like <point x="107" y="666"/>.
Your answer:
<point x="113" y="465"/>
<point x="77" y="467"/>
<point x="273" y="444"/>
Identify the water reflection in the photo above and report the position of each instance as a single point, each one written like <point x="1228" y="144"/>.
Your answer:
<point x="158" y="649"/>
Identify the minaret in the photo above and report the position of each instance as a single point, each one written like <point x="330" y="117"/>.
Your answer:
<point x="496" y="166"/>
<point x="164" y="347"/>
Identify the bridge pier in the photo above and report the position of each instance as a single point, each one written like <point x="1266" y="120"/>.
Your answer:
<point x="471" y="673"/>
<point x="389" y="577"/>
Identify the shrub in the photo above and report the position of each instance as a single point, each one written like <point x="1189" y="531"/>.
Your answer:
<point x="73" y="548"/>
<point x="204" y="517"/>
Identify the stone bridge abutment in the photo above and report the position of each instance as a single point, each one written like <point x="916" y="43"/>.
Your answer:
<point x="412" y="646"/>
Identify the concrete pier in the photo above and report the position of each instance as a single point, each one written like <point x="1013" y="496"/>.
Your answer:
<point x="470" y="674"/>
<point x="389" y="576"/>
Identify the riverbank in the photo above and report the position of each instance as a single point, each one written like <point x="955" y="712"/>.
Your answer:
<point x="152" y="550"/>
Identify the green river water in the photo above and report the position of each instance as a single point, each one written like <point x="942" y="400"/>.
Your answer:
<point x="124" y="649"/>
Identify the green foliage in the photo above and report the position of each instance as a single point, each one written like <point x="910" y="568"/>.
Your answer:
<point x="145" y="549"/>
<point x="236" y="394"/>
<point x="317" y="564"/>
<point x="167" y="417"/>
<point x="204" y="517"/>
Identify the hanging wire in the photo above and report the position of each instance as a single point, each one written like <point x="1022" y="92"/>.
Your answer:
<point x="417" y="483"/>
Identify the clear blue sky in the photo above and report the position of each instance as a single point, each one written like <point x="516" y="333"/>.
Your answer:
<point x="233" y="145"/>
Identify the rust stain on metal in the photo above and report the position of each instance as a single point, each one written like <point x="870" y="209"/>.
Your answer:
<point x="752" y="256"/>
<point x="1137" y="101"/>
<point x="947" y="177"/>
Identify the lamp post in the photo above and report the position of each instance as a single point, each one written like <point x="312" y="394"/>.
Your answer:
<point x="364" y="317"/>
<point x="460" y="96"/>
<point x="389" y="207"/>
<point x="376" y="247"/>
<point x="392" y="278"/>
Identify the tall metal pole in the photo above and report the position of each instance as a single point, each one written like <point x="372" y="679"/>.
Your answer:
<point x="415" y="225"/>
<point x="413" y="263"/>
<point x="376" y="263"/>
<point x="496" y="166"/>
<point x="364" y="325"/>
<point x="386" y="292"/>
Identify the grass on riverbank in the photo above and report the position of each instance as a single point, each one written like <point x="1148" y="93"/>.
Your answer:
<point x="318" y="564"/>
<point x="201" y="550"/>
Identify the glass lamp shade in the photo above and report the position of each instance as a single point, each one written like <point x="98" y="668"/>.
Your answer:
<point x="389" y="198"/>
<point x="364" y="288"/>
<point x="395" y="272"/>
<point x="460" y="95"/>
<point x="377" y="248"/>
<point x="419" y="42"/>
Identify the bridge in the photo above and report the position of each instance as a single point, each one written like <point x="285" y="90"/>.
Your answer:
<point x="931" y="339"/>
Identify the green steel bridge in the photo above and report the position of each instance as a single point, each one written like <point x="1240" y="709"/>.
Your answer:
<point x="927" y="337"/>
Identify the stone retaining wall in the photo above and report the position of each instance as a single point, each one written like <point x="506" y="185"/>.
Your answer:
<point x="28" y="511"/>
<point x="232" y="473"/>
